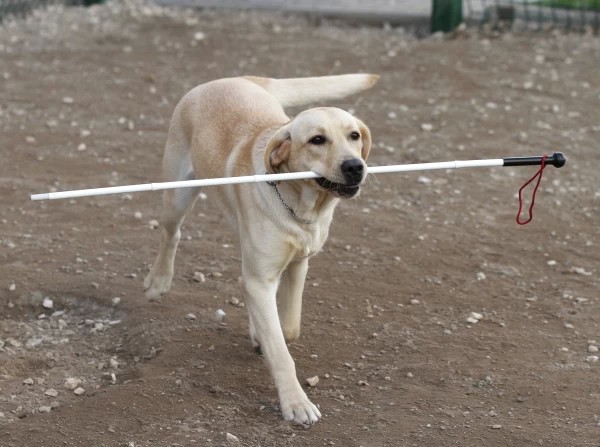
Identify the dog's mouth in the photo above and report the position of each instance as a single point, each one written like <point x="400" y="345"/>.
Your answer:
<point x="338" y="189"/>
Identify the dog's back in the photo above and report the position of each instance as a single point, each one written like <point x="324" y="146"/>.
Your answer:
<point x="215" y="117"/>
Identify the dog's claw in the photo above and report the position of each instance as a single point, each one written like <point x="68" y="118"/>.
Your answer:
<point x="302" y="412"/>
<point x="155" y="286"/>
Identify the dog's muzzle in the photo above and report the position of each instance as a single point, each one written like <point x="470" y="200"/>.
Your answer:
<point x="352" y="171"/>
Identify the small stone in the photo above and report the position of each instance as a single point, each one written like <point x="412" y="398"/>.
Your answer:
<point x="474" y="317"/>
<point x="153" y="224"/>
<point x="427" y="127"/>
<point x="592" y="348"/>
<point x="114" y="364"/>
<point x="481" y="276"/>
<point x="78" y="391"/>
<point x="199" y="36"/>
<point x="496" y="426"/>
<point x="312" y="381"/>
<point x="137" y="215"/>
<point x="551" y="262"/>
<point x="424" y="180"/>
<point x="220" y="314"/>
<point x="232" y="438"/>
<point x="84" y="133"/>
<point x="12" y="287"/>
<point x="68" y="100"/>
<point x="71" y="383"/>
<point x="591" y="359"/>
<point x="414" y="301"/>
<point x="44" y="409"/>
<point x="199" y="277"/>
<point x="409" y="374"/>
<point x="580" y="271"/>
<point x="82" y="147"/>
<point x="116" y="300"/>
<point x="51" y="392"/>
<point x="217" y="274"/>
<point x="28" y="381"/>
<point x="190" y="317"/>
<point x="48" y="303"/>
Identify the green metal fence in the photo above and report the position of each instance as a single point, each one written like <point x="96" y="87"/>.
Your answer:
<point x="20" y="8"/>
<point x="579" y="15"/>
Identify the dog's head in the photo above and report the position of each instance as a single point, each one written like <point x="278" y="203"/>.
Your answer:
<point x="325" y="140"/>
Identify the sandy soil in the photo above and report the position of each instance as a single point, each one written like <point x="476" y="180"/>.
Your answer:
<point x="85" y="99"/>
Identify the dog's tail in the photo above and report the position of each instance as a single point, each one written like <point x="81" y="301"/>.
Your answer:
<point x="301" y="91"/>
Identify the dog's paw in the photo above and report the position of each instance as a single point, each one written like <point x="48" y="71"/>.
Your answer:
<point x="157" y="285"/>
<point x="300" y="410"/>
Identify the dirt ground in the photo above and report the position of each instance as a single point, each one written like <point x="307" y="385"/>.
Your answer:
<point x="85" y="100"/>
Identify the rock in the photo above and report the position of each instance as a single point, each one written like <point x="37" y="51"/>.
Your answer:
<point x="481" y="276"/>
<point x="591" y="359"/>
<point x="71" y="383"/>
<point x="51" y="392"/>
<point x="116" y="300"/>
<point x="12" y="287"/>
<point x="592" y="348"/>
<point x="190" y="317"/>
<point x="199" y="36"/>
<point x="427" y="127"/>
<point x="232" y="438"/>
<point x="220" y="314"/>
<point x="68" y="100"/>
<point x="474" y="317"/>
<point x="153" y="224"/>
<point x="496" y="426"/>
<point x="137" y="215"/>
<point x="44" y="409"/>
<point x="14" y="343"/>
<point x="199" y="277"/>
<point x="78" y="391"/>
<point x="580" y="271"/>
<point x="48" y="303"/>
<point x="312" y="381"/>
<point x="28" y="381"/>
<point x="114" y="364"/>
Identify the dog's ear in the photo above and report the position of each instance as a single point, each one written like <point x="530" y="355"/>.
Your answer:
<point x="278" y="149"/>
<point x="366" y="139"/>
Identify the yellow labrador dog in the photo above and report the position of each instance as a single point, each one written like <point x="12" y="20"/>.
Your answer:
<point x="237" y="126"/>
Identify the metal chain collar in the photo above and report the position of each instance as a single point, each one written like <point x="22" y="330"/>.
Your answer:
<point x="286" y="206"/>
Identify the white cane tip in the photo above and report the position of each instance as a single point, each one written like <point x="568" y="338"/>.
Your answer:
<point x="40" y="196"/>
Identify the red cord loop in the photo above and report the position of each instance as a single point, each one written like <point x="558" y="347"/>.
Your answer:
<point x="538" y="174"/>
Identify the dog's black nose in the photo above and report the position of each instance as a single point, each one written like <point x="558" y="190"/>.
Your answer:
<point x="353" y="170"/>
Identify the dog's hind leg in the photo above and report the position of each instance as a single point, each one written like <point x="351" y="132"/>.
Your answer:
<point x="290" y="298"/>
<point x="177" y="165"/>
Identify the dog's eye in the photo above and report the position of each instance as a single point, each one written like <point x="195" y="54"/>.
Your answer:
<point x="355" y="135"/>
<point x="317" y="140"/>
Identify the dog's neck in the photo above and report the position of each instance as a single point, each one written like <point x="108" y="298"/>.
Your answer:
<point x="306" y="203"/>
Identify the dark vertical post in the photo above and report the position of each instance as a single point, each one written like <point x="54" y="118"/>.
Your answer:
<point x="446" y="15"/>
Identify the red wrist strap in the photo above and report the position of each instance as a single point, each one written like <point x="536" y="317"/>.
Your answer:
<point x="538" y="174"/>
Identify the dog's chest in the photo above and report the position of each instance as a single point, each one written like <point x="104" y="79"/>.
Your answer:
<point x="310" y="242"/>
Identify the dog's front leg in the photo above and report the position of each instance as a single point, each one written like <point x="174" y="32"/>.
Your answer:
<point x="262" y="307"/>
<point x="290" y="298"/>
